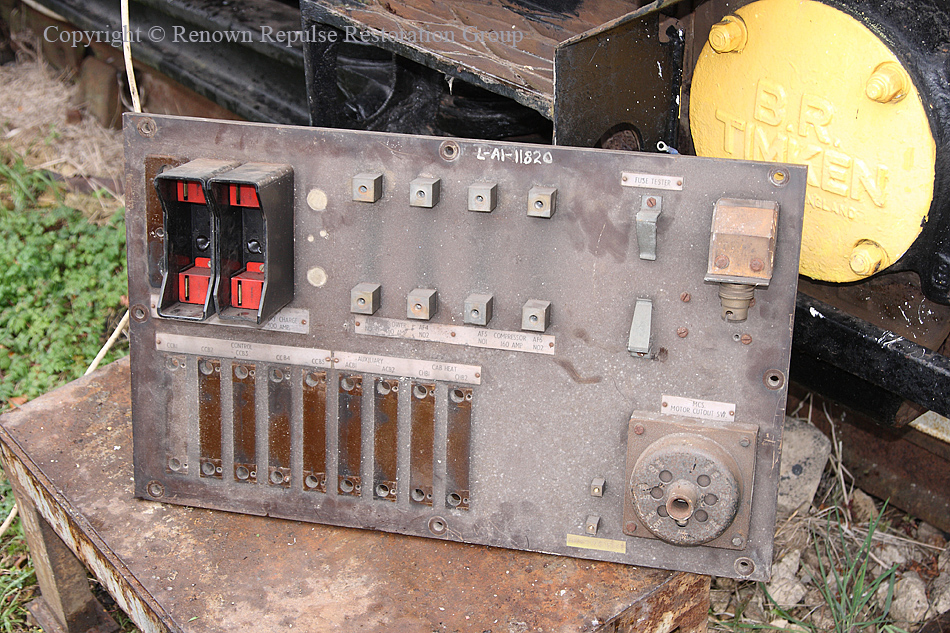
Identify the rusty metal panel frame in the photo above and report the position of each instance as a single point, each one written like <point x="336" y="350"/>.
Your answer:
<point x="549" y="411"/>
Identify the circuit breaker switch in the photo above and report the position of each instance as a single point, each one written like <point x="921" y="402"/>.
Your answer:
<point x="367" y="187"/>
<point x="422" y="304"/>
<point x="247" y="287"/>
<point x="365" y="298"/>
<point x="425" y="192"/>
<point x="640" y="341"/>
<point x="482" y="197"/>
<point x="194" y="282"/>
<point x="536" y="315"/>
<point x="478" y="309"/>
<point x="542" y="201"/>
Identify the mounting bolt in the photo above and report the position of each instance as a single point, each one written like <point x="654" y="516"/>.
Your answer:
<point x="867" y="258"/>
<point x="744" y="442"/>
<point x="737" y="541"/>
<point x="729" y="36"/>
<point x="722" y="261"/>
<point x="638" y="429"/>
<point x="746" y="339"/>
<point x="682" y="332"/>
<point x="888" y="83"/>
<point x="631" y="526"/>
<point x="756" y="265"/>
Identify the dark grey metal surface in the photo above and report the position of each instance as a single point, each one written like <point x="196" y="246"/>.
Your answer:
<point x="543" y="425"/>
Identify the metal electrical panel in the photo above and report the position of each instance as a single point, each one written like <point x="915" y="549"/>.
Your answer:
<point x="463" y="340"/>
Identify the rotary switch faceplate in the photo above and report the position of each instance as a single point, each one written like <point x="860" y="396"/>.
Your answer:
<point x="689" y="482"/>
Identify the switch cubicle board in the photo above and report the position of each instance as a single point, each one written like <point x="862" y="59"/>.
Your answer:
<point x="574" y="351"/>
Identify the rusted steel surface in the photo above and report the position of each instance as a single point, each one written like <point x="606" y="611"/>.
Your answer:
<point x="908" y="467"/>
<point x="182" y="569"/>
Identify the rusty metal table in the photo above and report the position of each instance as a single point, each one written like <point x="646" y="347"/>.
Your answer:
<point x="69" y="457"/>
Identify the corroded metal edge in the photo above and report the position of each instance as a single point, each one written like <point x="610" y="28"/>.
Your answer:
<point x="76" y="532"/>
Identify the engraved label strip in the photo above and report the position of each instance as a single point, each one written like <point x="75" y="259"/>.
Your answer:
<point x="700" y="409"/>
<point x="408" y="367"/>
<point x="294" y="320"/>
<point x="457" y="335"/>
<point x="240" y="350"/>
<point x="600" y="544"/>
<point x="651" y="181"/>
<point x="320" y="358"/>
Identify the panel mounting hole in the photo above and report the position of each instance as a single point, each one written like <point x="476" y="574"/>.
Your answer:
<point x="420" y="392"/>
<point x="139" y="313"/>
<point x="242" y="473"/>
<point x="240" y="372"/>
<point x="437" y="526"/>
<point x="455" y="500"/>
<point x="418" y="495"/>
<point x="449" y="150"/>
<point x="744" y="566"/>
<point x="156" y="489"/>
<point x="382" y="490"/>
<point x="774" y="379"/>
<point x="384" y="387"/>
<point x="311" y="482"/>
<point x="347" y="384"/>
<point x="457" y="395"/>
<point x="174" y="464"/>
<point x="779" y="177"/>
<point x="207" y="469"/>
<point x="276" y="375"/>
<point x="347" y="485"/>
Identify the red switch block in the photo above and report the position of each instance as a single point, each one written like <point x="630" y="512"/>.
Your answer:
<point x="193" y="282"/>
<point x="246" y="288"/>
<point x="190" y="191"/>
<point x="244" y="196"/>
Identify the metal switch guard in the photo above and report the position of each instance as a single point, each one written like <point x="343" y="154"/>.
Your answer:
<point x="484" y="428"/>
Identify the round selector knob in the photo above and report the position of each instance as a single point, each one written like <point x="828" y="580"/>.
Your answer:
<point x="686" y="490"/>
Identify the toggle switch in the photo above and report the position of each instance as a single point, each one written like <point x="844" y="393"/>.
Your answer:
<point x="478" y="309"/>
<point x="536" y="315"/>
<point x="365" y="298"/>
<point x="424" y="192"/>
<point x="482" y="197"/>
<point x="422" y="304"/>
<point x="650" y="207"/>
<point x="541" y="201"/>
<point x="367" y="187"/>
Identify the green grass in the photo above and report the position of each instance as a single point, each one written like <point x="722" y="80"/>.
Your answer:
<point x="61" y="283"/>
<point x="62" y="279"/>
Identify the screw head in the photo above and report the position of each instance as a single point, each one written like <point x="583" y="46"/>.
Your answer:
<point x="867" y="257"/>
<point x="631" y="526"/>
<point x="744" y="442"/>
<point x="756" y="265"/>
<point x="685" y="297"/>
<point x="639" y="429"/>
<point x="737" y="541"/>
<point x="682" y="332"/>
<point x="651" y="202"/>
<point x="722" y="261"/>
<point x="746" y="339"/>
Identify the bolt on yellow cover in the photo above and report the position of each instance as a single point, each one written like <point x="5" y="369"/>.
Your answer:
<point x="811" y="85"/>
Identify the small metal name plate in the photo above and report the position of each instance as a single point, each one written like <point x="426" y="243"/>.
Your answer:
<point x="700" y="409"/>
<point x="651" y="181"/>
<point x="457" y="335"/>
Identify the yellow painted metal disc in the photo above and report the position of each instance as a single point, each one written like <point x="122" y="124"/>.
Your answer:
<point x="801" y="82"/>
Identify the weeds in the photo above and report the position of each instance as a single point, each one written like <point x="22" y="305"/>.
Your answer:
<point x="61" y="277"/>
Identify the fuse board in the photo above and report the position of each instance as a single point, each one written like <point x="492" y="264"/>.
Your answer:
<point x="574" y="351"/>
